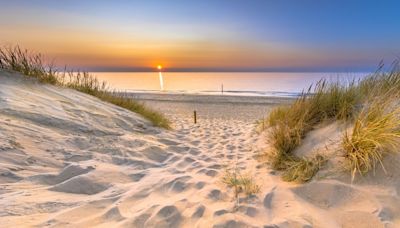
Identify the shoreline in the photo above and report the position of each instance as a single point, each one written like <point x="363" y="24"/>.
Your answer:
<point x="207" y="98"/>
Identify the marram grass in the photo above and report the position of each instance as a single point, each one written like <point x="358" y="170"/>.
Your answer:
<point x="375" y="131"/>
<point x="32" y="65"/>
<point x="301" y="169"/>
<point x="241" y="183"/>
<point x="289" y="125"/>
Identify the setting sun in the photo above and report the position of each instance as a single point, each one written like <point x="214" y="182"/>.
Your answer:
<point x="159" y="67"/>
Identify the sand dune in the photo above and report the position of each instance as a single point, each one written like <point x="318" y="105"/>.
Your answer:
<point x="70" y="160"/>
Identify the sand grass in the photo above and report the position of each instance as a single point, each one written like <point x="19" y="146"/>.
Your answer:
<point x="240" y="183"/>
<point x="289" y="124"/>
<point x="353" y="102"/>
<point x="376" y="132"/>
<point x="302" y="170"/>
<point x="33" y="65"/>
<point x="86" y="83"/>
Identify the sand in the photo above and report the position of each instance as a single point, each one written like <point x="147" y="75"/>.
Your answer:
<point x="70" y="160"/>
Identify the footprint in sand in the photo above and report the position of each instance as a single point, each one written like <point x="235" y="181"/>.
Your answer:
<point x="178" y="184"/>
<point x="113" y="214"/>
<point x="186" y="161"/>
<point x="214" y="194"/>
<point x="137" y="176"/>
<point x="168" y="216"/>
<point x="268" y="199"/>
<point x="220" y="212"/>
<point x="198" y="213"/>
<point x="156" y="154"/>
<point x="249" y="211"/>
<point x="199" y="185"/>
<point x="208" y="172"/>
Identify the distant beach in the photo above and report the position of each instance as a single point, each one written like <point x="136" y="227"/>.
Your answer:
<point x="211" y="106"/>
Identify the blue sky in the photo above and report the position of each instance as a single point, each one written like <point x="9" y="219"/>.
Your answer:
<point x="207" y="35"/>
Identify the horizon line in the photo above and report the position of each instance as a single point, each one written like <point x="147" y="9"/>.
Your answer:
<point x="231" y="71"/>
<point x="224" y="70"/>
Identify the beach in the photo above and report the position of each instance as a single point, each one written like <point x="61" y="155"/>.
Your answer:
<point x="71" y="160"/>
<point x="246" y="108"/>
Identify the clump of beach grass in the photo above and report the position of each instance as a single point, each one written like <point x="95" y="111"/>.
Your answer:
<point x="328" y="101"/>
<point x="241" y="183"/>
<point x="86" y="83"/>
<point x="301" y="170"/>
<point x="32" y="65"/>
<point x="29" y="64"/>
<point x="376" y="132"/>
<point x="249" y="185"/>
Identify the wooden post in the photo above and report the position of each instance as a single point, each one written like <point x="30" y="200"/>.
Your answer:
<point x="195" y="116"/>
<point x="222" y="88"/>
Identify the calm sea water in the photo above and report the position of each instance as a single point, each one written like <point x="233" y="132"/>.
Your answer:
<point x="249" y="84"/>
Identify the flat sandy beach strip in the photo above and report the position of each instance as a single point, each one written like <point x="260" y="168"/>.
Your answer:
<point x="250" y="108"/>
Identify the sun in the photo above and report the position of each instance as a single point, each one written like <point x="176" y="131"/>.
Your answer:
<point x="159" y="67"/>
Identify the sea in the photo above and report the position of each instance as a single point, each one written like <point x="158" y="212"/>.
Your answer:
<point x="277" y="84"/>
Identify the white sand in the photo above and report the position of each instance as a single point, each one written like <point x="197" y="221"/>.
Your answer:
<point x="70" y="160"/>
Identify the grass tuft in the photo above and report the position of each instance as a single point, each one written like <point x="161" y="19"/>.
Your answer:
<point x="241" y="183"/>
<point x="249" y="186"/>
<point x="302" y="170"/>
<point x="32" y="65"/>
<point x="376" y="131"/>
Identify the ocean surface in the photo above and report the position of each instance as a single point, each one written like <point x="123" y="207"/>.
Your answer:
<point x="232" y="83"/>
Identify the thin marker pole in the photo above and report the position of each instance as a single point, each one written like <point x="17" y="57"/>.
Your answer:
<point x="195" y="116"/>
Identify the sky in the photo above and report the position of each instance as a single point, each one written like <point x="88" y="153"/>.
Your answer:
<point x="207" y="35"/>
